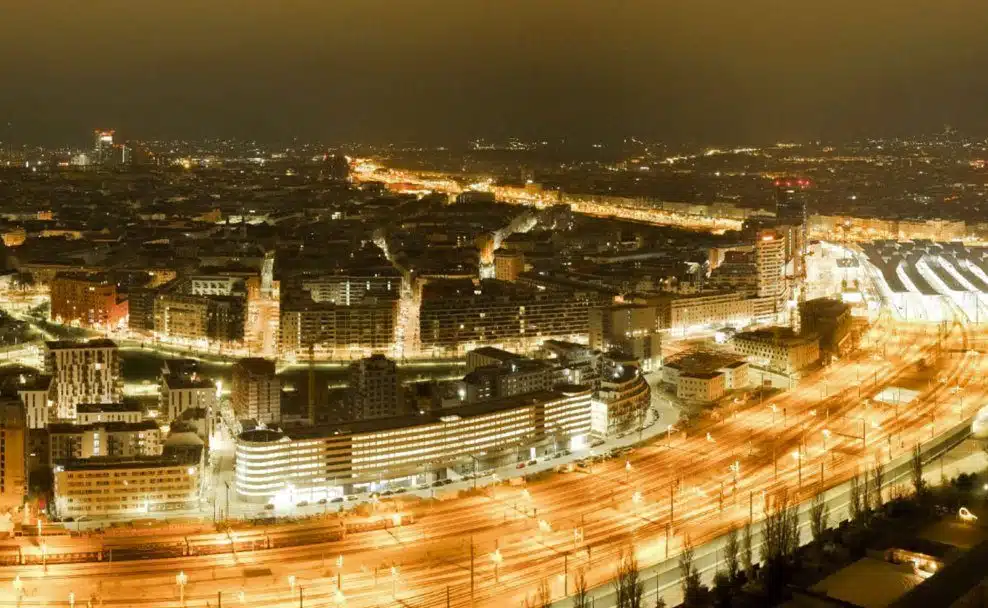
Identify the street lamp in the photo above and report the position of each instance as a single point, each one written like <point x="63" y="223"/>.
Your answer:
<point x="799" y="464"/>
<point x="497" y="559"/>
<point x="181" y="579"/>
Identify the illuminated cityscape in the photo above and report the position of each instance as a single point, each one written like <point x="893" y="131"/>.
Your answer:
<point x="557" y="365"/>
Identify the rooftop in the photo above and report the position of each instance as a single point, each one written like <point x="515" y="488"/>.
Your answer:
<point x="107" y="408"/>
<point x="774" y="335"/>
<point x="697" y="362"/>
<point x="69" y="344"/>
<point x="67" y="428"/>
<point x="385" y="424"/>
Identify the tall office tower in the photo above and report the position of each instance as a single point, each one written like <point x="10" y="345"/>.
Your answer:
<point x="374" y="388"/>
<point x="629" y="328"/>
<point x="508" y="264"/>
<point x="790" y="201"/>
<point x="13" y="455"/>
<point x="102" y="146"/>
<point x="256" y="392"/>
<point x="770" y="263"/>
<point x="83" y="372"/>
<point x="791" y="222"/>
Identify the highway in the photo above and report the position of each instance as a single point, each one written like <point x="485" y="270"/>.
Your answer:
<point x="691" y="484"/>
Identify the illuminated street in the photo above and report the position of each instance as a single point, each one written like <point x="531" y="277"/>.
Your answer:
<point x="700" y="483"/>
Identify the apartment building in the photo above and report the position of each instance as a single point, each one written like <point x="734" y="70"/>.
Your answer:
<point x="83" y="372"/>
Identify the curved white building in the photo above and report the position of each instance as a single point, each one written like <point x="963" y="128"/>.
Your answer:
<point x="310" y="463"/>
<point x="979" y="427"/>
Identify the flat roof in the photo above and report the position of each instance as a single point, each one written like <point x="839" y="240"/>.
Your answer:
<point x="107" y="408"/>
<point x="431" y="417"/>
<point x="697" y="362"/>
<point x="67" y="428"/>
<point x="66" y="344"/>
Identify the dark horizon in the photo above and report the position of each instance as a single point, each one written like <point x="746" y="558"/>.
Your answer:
<point x="441" y="71"/>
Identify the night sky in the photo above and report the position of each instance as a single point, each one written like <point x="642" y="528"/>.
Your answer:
<point x="715" y="71"/>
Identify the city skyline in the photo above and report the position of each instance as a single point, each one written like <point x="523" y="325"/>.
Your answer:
<point x="440" y="72"/>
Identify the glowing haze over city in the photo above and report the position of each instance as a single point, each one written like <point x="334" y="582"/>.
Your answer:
<point x="545" y="303"/>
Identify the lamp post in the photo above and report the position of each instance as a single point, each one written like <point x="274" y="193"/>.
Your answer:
<point x="497" y="558"/>
<point x="181" y="579"/>
<point x="339" y="572"/>
<point x="799" y="465"/>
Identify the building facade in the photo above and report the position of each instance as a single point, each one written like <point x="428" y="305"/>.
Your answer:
<point x="256" y="392"/>
<point x="778" y="349"/>
<point x="457" y="315"/>
<point x="621" y="402"/>
<point x="328" y="329"/>
<point x="13" y="455"/>
<point x="508" y="264"/>
<point x="630" y="328"/>
<point x="87" y="301"/>
<point x="126" y="486"/>
<point x="321" y="462"/>
<point x="38" y="397"/>
<point x="375" y="391"/>
<point x="199" y="318"/>
<point x="68" y="442"/>
<point x="83" y="372"/>
<point x="95" y="413"/>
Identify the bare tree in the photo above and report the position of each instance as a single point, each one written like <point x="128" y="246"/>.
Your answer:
<point x="543" y="595"/>
<point x="781" y="540"/>
<point x="865" y="494"/>
<point x="854" y="509"/>
<point x="628" y="584"/>
<point x="689" y="577"/>
<point x="877" y="481"/>
<point x="542" y="598"/>
<point x="732" y="554"/>
<point x="747" y="558"/>
<point x="919" y="485"/>
<point x="581" y="595"/>
<point x="819" y="513"/>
